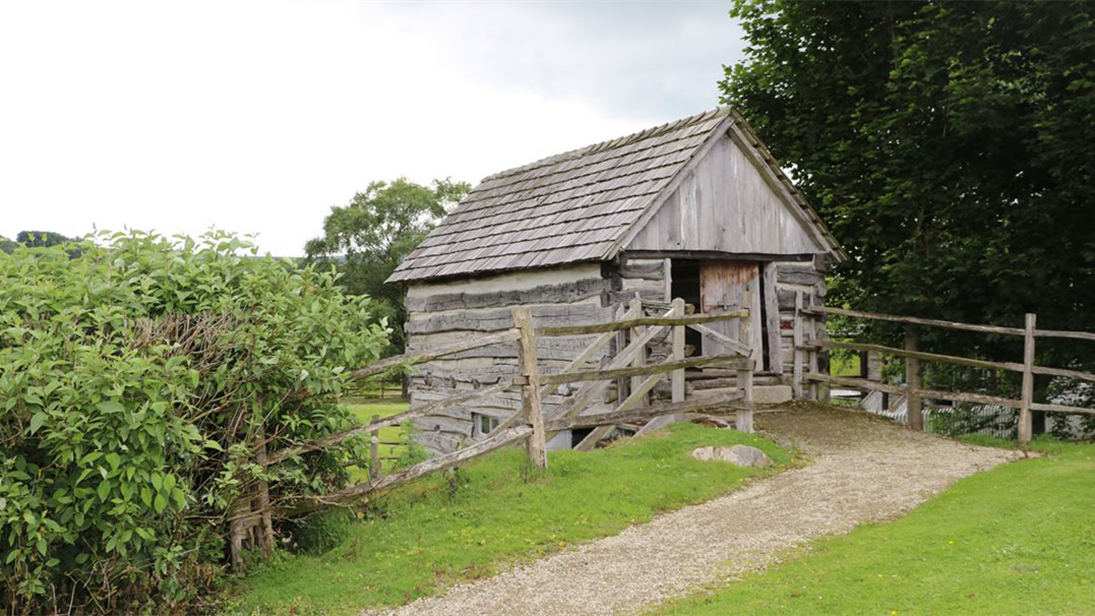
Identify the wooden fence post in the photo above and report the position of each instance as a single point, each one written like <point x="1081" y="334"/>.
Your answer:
<point x="744" y="419"/>
<point x="771" y="315"/>
<point x="374" y="451"/>
<point x="872" y="364"/>
<point x="913" y="404"/>
<point x="797" y="341"/>
<point x="636" y="307"/>
<point x="250" y="517"/>
<point x="811" y="355"/>
<point x="265" y="525"/>
<point x="530" y="390"/>
<point x="677" y="378"/>
<point x="1026" y="428"/>
<point x="622" y="384"/>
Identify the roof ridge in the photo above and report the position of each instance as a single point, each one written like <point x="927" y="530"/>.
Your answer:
<point x="611" y="144"/>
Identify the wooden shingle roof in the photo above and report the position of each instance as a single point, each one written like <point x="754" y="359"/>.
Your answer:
<point x="565" y="208"/>
<point x="571" y="207"/>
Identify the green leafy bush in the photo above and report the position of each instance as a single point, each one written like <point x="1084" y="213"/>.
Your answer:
<point x="136" y="378"/>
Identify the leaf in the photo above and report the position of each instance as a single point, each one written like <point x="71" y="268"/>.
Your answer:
<point x="104" y="489"/>
<point x="159" y="504"/>
<point x="146" y="496"/>
<point x="91" y="457"/>
<point x="36" y="421"/>
<point x="180" y="498"/>
<point x="110" y="406"/>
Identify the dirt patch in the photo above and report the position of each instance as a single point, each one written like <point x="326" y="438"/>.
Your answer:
<point x="862" y="469"/>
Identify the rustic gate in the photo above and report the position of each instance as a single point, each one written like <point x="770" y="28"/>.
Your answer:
<point x="251" y="516"/>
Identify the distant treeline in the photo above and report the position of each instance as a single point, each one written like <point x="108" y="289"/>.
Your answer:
<point x="34" y="239"/>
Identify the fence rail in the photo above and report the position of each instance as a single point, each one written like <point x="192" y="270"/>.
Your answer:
<point x="912" y="390"/>
<point x="628" y="368"/>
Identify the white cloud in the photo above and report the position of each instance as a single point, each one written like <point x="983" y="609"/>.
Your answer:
<point x="257" y="117"/>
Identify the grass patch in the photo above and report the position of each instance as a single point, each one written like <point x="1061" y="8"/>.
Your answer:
<point x="437" y="531"/>
<point x="844" y="363"/>
<point x="1043" y="443"/>
<point x="364" y="412"/>
<point x="1019" y="539"/>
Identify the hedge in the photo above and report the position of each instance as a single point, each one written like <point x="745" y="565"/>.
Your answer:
<point x="135" y="374"/>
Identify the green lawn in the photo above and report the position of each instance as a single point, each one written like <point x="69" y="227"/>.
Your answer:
<point x="432" y="533"/>
<point x="844" y="364"/>
<point x="1019" y="539"/>
<point x="364" y="412"/>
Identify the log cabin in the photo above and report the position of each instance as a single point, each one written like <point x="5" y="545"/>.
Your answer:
<point x="696" y="209"/>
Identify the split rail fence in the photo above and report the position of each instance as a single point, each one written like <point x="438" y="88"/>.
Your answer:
<point x="252" y="514"/>
<point x="913" y="389"/>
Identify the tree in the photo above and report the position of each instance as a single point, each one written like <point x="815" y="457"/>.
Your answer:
<point x="368" y="238"/>
<point x="948" y="144"/>
<point x="42" y="239"/>
<point x="34" y="239"/>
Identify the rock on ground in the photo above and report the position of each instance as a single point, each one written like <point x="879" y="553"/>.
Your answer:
<point x="863" y="469"/>
<point x="742" y="455"/>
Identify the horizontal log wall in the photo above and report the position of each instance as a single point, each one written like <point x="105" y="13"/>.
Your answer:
<point x="464" y="310"/>
<point x="648" y="279"/>
<point x="808" y="278"/>
<point x="444" y="313"/>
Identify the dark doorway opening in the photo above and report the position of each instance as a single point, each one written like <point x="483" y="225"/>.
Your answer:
<point x="685" y="277"/>
<point x="577" y="435"/>
<point x="764" y="288"/>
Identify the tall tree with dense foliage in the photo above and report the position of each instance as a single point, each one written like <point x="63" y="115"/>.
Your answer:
<point x="371" y="235"/>
<point x="948" y="144"/>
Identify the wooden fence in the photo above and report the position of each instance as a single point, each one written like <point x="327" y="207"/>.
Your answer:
<point x="913" y="389"/>
<point x="252" y="513"/>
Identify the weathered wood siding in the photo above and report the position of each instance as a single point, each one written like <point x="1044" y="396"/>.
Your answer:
<point x="808" y="278"/>
<point x="725" y="205"/>
<point x="723" y="284"/>
<point x="648" y="279"/>
<point x="728" y="205"/>
<point x="444" y="312"/>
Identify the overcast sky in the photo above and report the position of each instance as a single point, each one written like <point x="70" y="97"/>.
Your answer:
<point x="258" y="116"/>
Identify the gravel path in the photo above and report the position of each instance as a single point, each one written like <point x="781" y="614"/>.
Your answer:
<point x="862" y="469"/>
